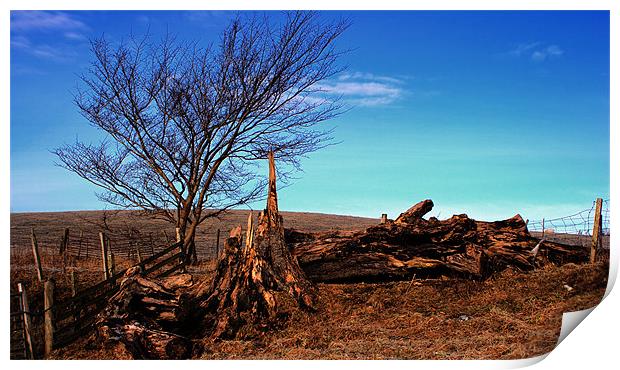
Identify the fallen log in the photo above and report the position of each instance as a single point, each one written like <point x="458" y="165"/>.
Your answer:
<point x="458" y="246"/>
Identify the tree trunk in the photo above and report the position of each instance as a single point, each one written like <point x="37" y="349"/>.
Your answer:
<point x="189" y="243"/>
<point x="254" y="281"/>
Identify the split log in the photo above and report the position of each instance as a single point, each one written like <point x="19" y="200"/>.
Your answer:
<point x="415" y="213"/>
<point x="146" y="317"/>
<point x="252" y="282"/>
<point x="458" y="246"/>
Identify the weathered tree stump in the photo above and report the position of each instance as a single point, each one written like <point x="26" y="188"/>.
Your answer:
<point x="249" y="279"/>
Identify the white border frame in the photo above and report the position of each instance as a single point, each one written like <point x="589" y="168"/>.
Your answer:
<point x="593" y="345"/>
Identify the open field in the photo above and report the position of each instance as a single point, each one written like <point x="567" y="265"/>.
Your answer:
<point x="511" y="315"/>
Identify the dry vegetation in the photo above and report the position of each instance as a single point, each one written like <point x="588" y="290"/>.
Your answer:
<point x="511" y="315"/>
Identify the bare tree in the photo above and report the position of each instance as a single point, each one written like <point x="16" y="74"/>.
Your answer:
<point x="185" y="125"/>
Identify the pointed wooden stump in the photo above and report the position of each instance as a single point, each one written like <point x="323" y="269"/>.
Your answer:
<point x="248" y="278"/>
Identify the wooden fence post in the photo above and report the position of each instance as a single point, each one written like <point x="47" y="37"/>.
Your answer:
<point x="80" y="244"/>
<point x="73" y="284"/>
<point x="596" y="230"/>
<point x="37" y="257"/>
<point x="138" y="255"/>
<point x="63" y="249"/>
<point x="108" y="242"/>
<point x="48" y="303"/>
<point x="543" y="229"/>
<point x="104" y="256"/>
<point x="384" y="218"/>
<point x="112" y="264"/>
<point x="25" y="308"/>
<point x="217" y="245"/>
<point x="64" y="240"/>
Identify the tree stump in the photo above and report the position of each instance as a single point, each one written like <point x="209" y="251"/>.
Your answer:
<point x="249" y="279"/>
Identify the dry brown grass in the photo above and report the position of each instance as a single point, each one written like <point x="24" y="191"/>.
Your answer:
<point x="514" y="315"/>
<point x="511" y="316"/>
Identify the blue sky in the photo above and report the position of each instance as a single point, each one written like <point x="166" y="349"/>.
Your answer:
<point x="487" y="113"/>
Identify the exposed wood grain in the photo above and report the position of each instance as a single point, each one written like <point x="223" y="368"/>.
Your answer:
<point x="458" y="246"/>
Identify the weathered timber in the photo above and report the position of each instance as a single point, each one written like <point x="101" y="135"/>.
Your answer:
<point x="64" y="241"/>
<point x="146" y="316"/>
<point x="36" y="255"/>
<point x="415" y="213"/>
<point x="104" y="256"/>
<point x="48" y="303"/>
<point x="596" y="231"/>
<point x="27" y="322"/>
<point x="458" y="246"/>
<point x="249" y="278"/>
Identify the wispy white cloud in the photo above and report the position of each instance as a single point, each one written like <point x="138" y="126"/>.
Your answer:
<point x="42" y="51"/>
<point x="548" y="52"/>
<point x="27" y="25"/>
<point x="364" y="89"/>
<point x="370" y="77"/>
<point x="523" y="49"/>
<point x="22" y="70"/>
<point x="536" y="51"/>
<point x="38" y="20"/>
<point x="75" y="36"/>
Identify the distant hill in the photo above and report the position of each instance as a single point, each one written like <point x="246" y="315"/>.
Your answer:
<point x="50" y="225"/>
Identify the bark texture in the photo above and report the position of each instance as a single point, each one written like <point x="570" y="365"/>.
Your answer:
<point x="245" y="290"/>
<point x="458" y="246"/>
<point x="146" y="318"/>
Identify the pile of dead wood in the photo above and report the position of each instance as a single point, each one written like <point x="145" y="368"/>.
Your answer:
<point x="145" y="319"/>
<point x="159" y="318"/>
<point x="458" y="246"/>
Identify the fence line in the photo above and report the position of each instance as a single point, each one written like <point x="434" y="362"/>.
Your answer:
<point x="580" y="223"/>
<point x="86" y="244"/>
<point x="575" y="229"/>
<point x="19" y="348"/>
<point x="67" y="320"/>
<point x="76" y="315"/>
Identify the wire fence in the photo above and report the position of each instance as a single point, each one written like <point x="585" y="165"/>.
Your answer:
<point x="575" y="229"/>
<point x="86" y="244"/>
